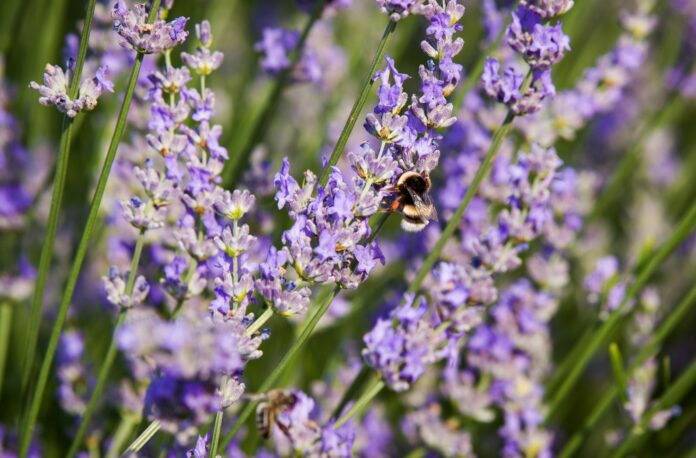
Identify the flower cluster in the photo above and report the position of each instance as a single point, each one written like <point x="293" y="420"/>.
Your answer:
<point x="541" y="46"/>
<point x="192" y="360"/>
<point x="195" y="362"/>
<point x="326" y="243"/>
<point x="55" y="90"/>
<point x="600" y="87"/>
<point x="401" y="346"/>
<point x="277" y="45"/>
<point x="144" y="37"/>
<point x="515" y="351"/>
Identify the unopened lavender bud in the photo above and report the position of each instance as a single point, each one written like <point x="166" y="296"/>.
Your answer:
<point x="204" y="34"/>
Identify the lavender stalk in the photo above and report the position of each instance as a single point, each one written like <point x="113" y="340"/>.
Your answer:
<point x="28" y="426"/>
<point x="33" y="326"/>
<point x="110" y="352"/>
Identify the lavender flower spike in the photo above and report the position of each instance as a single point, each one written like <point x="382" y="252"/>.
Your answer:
<point x="56" y="87"/>
<point x="132" y="25"/>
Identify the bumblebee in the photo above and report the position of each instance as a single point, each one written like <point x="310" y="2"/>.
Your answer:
<point x="413" y="200"/>
<point x="273" y="403"/>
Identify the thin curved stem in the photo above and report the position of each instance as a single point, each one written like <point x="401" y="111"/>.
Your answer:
<point x="28" y="427"/>
<point x="574" y="367"/>
<point x="361" y="403"/>
<point x="235" y="167"/>
<point x="128" y="422"/>
<point x="5" y="328"/>
<point x="358" y="105"/>
<point x="143" y="438"/>
<point x="216" y="433"/>
<point x="355" y="387"/>
<point x="34" y="323"/>
<point x="672" y="320"/>
<point x="110" y="356"/>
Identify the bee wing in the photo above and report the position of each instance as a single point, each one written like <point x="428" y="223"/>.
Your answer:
<point x="423" y="204"/>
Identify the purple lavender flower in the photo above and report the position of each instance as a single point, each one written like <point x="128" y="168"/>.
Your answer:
<point x="548" y="8"/>
<point x="115" y="287"/>
<point x="56" y="86"/>
<point x="276" y="45"/>
<point x="401" y="346"/>
<point x="540" y="45"/>
<point x="203" y="61"/>
<point x="399" y="9"/>
<point x="190" y="359"/>
<point x="131" y="24"/>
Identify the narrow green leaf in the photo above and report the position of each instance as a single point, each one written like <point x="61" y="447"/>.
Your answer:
<point x="617" y="366"/>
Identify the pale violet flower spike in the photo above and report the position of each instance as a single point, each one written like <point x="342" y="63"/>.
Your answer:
<point x="56" y="87"/>
<point x="115" y="287"/>
<point x="137" y="34"/>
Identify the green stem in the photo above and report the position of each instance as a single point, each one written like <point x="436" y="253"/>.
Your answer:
<point x="61" y="172"/>
<point x="216" y="433"/>
<point x="34" y="323"/>
<point x="361" y="403"/>
<point x="110" y="356"/>
<point x="355" y="387"/>
<point x="471" y="191"/>
<point x="672" y="320"/>
<point x="359" y="104"/>
<point x="235" y="167"/>
<point x="673" y="395"/>
<point x="82" y="249"/>
<point x="280" y="367"/>
<point x="573" y="367"/>
<point x="5" y="327"/>
<point x="260" y="321"/>
<point x="128" y="422"/>
<point x="618" y="369"/>
<point x="143" y="438"/>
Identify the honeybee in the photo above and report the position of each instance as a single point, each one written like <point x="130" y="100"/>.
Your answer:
<point x="273" y="403"/>
<point x="413" y="201"/>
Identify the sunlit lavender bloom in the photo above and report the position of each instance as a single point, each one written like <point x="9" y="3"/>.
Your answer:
<point x="56" y="87"/>
<point x="402" y="345"/>
<point x="201" y="448"/>
<point x="132" y="25"/>
<point x="203" y="61"/>
<point x="508" y="88"/>
<point x="277" y="45"/>
<point x="540" y="45"/>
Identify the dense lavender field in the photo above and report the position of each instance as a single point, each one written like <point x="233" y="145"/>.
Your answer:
<point x="332" y="228"/>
